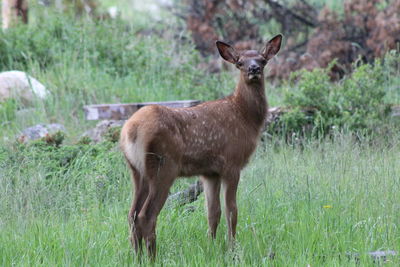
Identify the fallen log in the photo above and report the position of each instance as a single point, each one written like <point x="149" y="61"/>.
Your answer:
<point x="124" y="111"/>
<point x="395" y="111"/>
<point x="186" y="196"/>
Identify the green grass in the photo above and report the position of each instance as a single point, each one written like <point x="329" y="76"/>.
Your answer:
<point x="312" y="204"/>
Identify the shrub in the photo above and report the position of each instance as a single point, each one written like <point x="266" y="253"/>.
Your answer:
<point x="316" y="106"/>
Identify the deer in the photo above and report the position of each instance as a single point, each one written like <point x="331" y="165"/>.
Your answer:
<point x="213" y="140"/>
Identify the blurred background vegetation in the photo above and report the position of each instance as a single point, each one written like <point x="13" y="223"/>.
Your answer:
<point x="88" y="52"/>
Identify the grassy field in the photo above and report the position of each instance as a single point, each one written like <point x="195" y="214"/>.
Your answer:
<point x="320" y="203"/>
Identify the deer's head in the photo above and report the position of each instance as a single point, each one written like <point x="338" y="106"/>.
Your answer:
<point x="251" y="63"/>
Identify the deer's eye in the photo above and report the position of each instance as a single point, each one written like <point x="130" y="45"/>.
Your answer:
<point x="263" y="61"/>
<point x="239" y="63"/>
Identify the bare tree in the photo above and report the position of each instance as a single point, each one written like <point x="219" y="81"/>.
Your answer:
<point x="14" y="11"/>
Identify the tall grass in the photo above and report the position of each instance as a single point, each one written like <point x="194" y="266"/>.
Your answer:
<point x="323" y="203"/>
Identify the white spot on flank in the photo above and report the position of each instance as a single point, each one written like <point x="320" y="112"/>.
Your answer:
<point x="135" y="153"/>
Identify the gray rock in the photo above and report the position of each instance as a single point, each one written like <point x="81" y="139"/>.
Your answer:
<point x="98" y="133"/>
<point x="382" y="255"/>
<point x="39" y="131"/>
<point x="378" y="256"/>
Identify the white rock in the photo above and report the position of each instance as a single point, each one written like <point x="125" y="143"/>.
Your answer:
<point x="113" y="12"/>
<point x="18" y="84"/>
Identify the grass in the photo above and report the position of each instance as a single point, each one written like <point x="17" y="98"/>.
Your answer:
<point x="312" y="204"/>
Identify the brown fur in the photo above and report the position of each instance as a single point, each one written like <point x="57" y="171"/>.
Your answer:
<point x="214" y="140"/>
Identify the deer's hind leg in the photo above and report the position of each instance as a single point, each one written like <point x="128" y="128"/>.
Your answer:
<point x="160" y="174"/>
<point x="140" y="195"/>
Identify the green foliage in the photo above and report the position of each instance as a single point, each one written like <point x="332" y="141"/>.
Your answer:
<point x="317" y="105"/>
<point x="360" y="98"/>
<point x="54" y="158"/>
<point x="45" y="45"/>
<point x="73" y="169"/>
<point x="55" y="139"/>
<point x="113" y="134"/>
<point x="83" y="61"/>
<point x="312" y="90"/>
<point x="7" y="110"/>
<point x="293" y="119"/>
<point x="96" y="43"/>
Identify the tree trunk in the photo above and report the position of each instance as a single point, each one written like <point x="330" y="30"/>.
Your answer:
<point x="14" y="11"/>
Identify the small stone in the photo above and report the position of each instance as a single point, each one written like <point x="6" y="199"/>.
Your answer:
<point x="102" y="129"/>
<point x="40" y="131"/>
<point x="382" y="255"/>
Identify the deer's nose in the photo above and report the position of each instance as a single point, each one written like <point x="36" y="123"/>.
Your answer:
<point x="253" y="68"/>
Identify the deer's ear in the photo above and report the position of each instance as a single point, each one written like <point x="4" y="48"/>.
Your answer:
<point x="227" y="52"/>
<point x="272" y="47"/>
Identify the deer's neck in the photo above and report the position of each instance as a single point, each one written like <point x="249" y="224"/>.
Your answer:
<point x="251" y="100"/>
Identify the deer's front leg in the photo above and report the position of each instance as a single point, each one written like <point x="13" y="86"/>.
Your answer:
<point x="230" y="184"/>
<point x="212" y="188"/>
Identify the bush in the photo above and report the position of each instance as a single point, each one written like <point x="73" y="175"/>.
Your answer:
<point x="360" y="99"/>
<point x="356" y="103"/>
